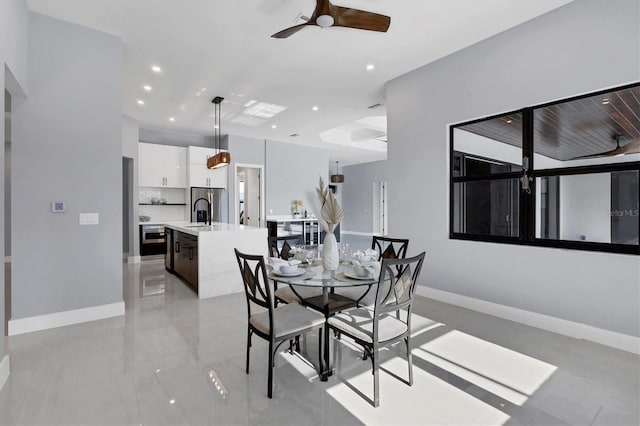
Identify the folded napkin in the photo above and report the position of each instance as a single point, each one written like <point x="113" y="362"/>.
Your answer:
<point x="372" y="267"/>
<point x="368" y="254"/>
<point x="276" y="263"/>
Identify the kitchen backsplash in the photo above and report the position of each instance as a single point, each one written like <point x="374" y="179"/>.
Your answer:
<point x="163" y="212"/>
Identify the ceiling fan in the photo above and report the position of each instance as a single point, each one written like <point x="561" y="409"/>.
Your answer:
<point x="632" y="147"/>
<point x="329" y="15"/>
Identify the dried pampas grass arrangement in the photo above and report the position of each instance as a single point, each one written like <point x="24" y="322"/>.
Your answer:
<point x="331" y="212"/>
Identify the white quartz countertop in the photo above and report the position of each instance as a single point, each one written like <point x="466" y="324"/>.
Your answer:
<point x="291" y="218"/>
<point x="199" y="228"/>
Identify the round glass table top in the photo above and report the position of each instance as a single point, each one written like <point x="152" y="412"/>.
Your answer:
<point x="316" y="276"/>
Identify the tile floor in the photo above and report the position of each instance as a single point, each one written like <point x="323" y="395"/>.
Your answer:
<point x="173" y="359"/>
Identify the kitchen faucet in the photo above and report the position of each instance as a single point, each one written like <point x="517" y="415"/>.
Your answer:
<point x="208" y="207"/>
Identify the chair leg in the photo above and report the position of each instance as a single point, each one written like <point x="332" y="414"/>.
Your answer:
<point x="409" y="360"/>
<point x="320" y="360"/>
<point x="376" y="377"/>
<point x="248" y="346"/>
<point x="270" y="379"/>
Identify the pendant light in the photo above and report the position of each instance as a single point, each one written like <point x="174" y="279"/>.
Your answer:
<point x="222" y="158"/>
<point x="337" y="178"/>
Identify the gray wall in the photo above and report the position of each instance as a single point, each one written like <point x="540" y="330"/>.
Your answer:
<point x="67" y="147"/>
<point x="14" y="27"/>
<point x="177" y="138"/>
<point x="357" y="194"/>
<point x="293" y="171"/>
<point x="243" y="150"/>
<point x="584" y="46"/>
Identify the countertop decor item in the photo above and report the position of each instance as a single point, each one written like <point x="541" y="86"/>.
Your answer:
<point x="331" y="214"/>
<point x="296" y="204"/>
<point x="222" y="158"/>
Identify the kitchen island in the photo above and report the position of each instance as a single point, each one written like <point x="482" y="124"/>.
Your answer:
<point x="202" y="255"/>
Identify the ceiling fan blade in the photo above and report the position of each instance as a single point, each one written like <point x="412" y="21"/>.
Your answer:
<point x="632" y="147"/>
<point x="600" y="154"/>
<point x="360" y="19"/>
<point x="323" y="7"/>
<point x="289" y="31"/>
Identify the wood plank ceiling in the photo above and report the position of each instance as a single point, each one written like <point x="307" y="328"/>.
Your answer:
<point x="572" y="129"/>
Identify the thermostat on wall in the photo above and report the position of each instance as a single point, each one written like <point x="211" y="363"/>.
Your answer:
<point x="58" y="207"/>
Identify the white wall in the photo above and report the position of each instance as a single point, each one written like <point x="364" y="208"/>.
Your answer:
<point x="14" y="27"/>
<point x="563" y="53"/>
<point x="67" y="146"/>
<point x="585" y="207"/>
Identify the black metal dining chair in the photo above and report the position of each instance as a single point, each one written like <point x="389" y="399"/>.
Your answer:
<point x="389" y="321"/>
<point x="390" y="248"/>
<point x="275" y="325"/>
<point x="387" y="248"/>
<point x="281" y="247"/>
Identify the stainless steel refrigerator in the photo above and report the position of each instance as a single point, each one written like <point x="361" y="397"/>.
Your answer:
<point x="209" y="202"/>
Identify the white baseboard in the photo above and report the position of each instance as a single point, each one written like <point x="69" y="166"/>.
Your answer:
<point x="557" y="325"/>
<point x="4" y="371"/>
<point x="134" y="259"/>
<point x="60" y="319"/>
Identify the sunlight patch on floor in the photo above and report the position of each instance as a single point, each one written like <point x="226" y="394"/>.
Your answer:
<point x="501" y="371"/>
<point x="429" y="401"/>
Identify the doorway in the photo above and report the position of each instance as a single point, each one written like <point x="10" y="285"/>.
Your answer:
<point x="380" y="222"/>
<point x="249" y="190"/>
<point x="7" y="211"/>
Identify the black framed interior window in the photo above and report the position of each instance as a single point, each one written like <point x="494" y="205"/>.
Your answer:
<point x="564" y="174"/>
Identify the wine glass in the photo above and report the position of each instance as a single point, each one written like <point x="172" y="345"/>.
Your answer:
<point x="309" y="255"/>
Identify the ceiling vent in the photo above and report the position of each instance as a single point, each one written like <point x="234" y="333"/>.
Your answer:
<point x="375" y="106"/>
<point x="294" y="135"/>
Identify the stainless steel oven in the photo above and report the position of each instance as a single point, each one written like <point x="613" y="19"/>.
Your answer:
<point x="152" y="239"/>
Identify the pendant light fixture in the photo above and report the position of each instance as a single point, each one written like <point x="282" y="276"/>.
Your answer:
<point x="337" y="178"/>
<point x="222" y="158"/>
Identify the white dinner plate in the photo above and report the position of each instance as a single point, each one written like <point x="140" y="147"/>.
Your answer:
<point x="358" y="277"/>
<point x="292" y="274"/>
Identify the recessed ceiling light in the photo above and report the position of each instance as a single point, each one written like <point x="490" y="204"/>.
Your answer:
<point x="156" y="68"/>
<point x="203" y="89"/>
<point x="315" y="108"/>
<point x="273" y="126"/>
<point x="508" y="121"/>
<point x="172" y="119"/>
<point x="605" y="101"/>
<point x="147" y="87"/>
<point x="370" y="67"/>
<point x="172" y="401"/>
<point x="140" y="102"/>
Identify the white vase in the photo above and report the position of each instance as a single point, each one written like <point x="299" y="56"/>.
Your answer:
<point x="330" y="254"/>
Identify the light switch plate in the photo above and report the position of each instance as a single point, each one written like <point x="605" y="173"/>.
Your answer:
<point x="89" y="218"/>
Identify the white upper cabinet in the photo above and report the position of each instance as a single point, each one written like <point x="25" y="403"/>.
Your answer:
<point x="162" y="165"/>
<point x="199" y="174"/>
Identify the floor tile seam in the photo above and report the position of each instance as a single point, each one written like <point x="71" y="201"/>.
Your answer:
<point x="135" y="392"/>
<point x="596" y="416"/>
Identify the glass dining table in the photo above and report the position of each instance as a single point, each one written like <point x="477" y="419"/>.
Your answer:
<point x="329" y="303"/>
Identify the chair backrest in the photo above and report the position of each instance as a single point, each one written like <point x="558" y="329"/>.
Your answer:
<point x="281" y="246"/>
<point x="390" y="248"/>
<point x="256" y="285"/>
<point x="397" y="286"/>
